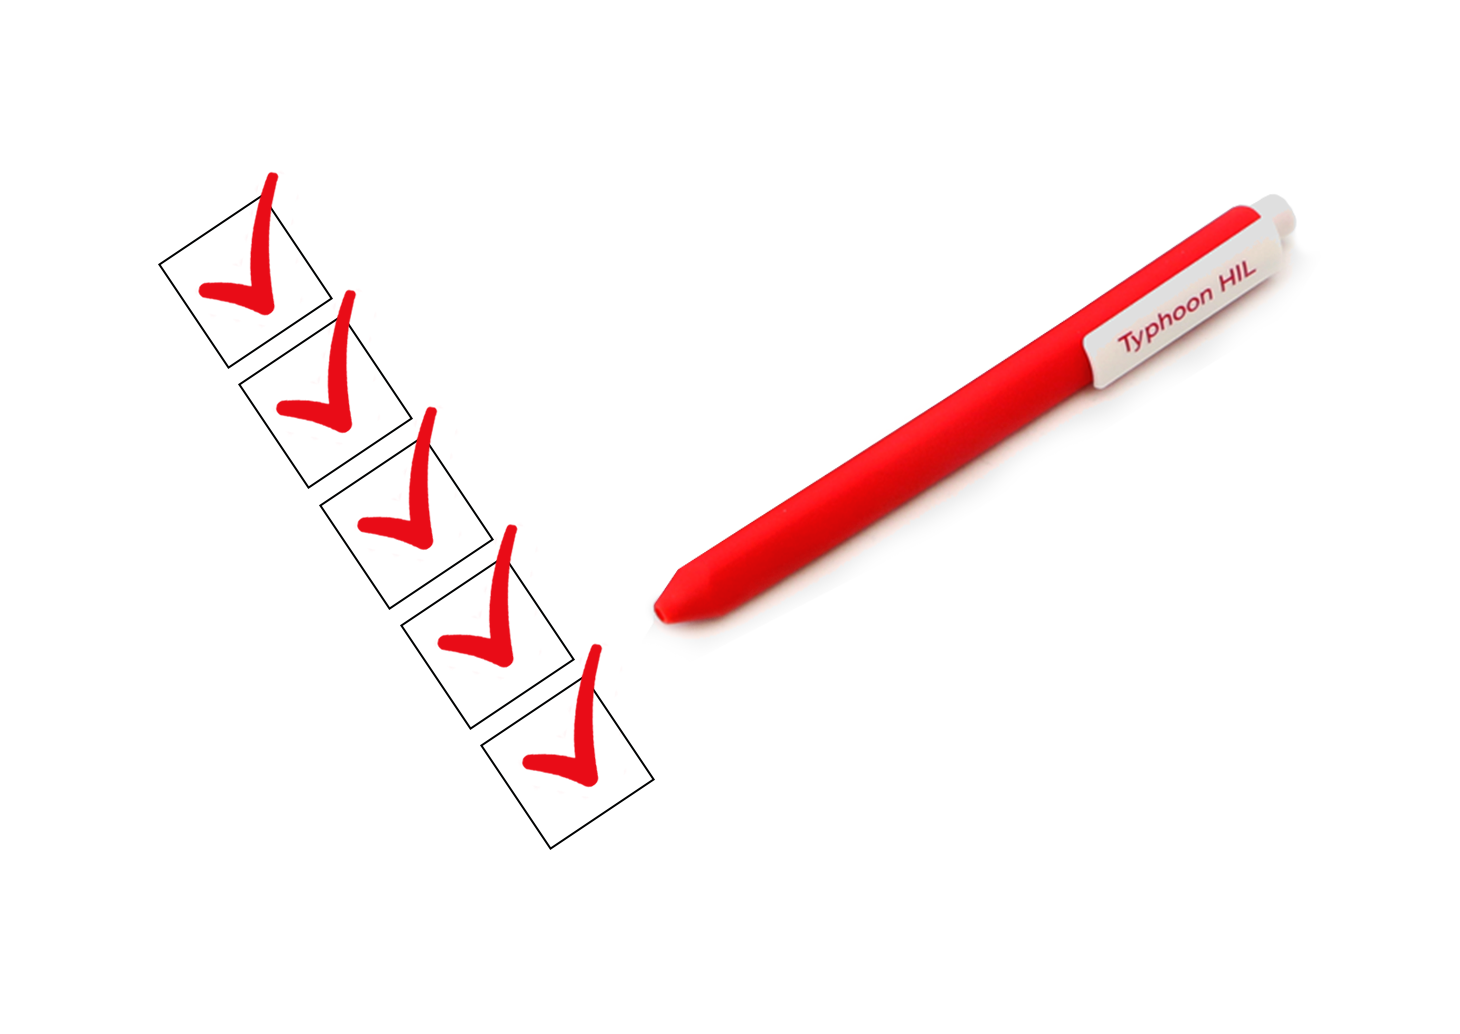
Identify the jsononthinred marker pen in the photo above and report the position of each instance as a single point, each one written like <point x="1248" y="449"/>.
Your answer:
<point x="1119" y="330"/>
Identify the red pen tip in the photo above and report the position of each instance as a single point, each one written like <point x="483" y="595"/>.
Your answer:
<point x="688" y="597"/>
<point x="675" y="604"/>
<point x="664" y="608"/>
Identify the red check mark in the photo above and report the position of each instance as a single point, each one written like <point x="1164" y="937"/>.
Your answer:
<point x="497" y="649"/>
<point x="582" y="767"/>
<point x="334" y="414"/>
<point x="258" y="295"/>
<point x="416" y="529"/>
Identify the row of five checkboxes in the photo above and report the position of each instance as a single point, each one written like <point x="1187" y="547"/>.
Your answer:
<point x="326" y="402"/>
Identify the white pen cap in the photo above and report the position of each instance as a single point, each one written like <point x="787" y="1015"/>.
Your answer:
<point x="1275" y="208"/>
<point x="1209" y="283"/>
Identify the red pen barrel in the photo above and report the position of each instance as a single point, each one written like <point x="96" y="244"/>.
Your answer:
<point x="879" y="479"/>
<point x="921" y="452"/>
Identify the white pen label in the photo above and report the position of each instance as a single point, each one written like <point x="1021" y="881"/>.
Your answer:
<point x="1215" y="280"/>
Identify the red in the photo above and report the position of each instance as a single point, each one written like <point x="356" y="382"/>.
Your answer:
<point x="496" y="649"/>
<point x="414" y="530"/>
<point x="333" y="413"/>
<point x="258" y="293"/>
<point x="921" y="452"/>
<point x="582" y="766"/>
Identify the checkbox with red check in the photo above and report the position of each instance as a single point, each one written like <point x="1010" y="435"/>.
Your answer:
<point x="325" y="400"/>
<point x="487" y="642"/>
<point x="245" y="281"/>
<point x="406" y="522"/>
<point x="566" y="761"/>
